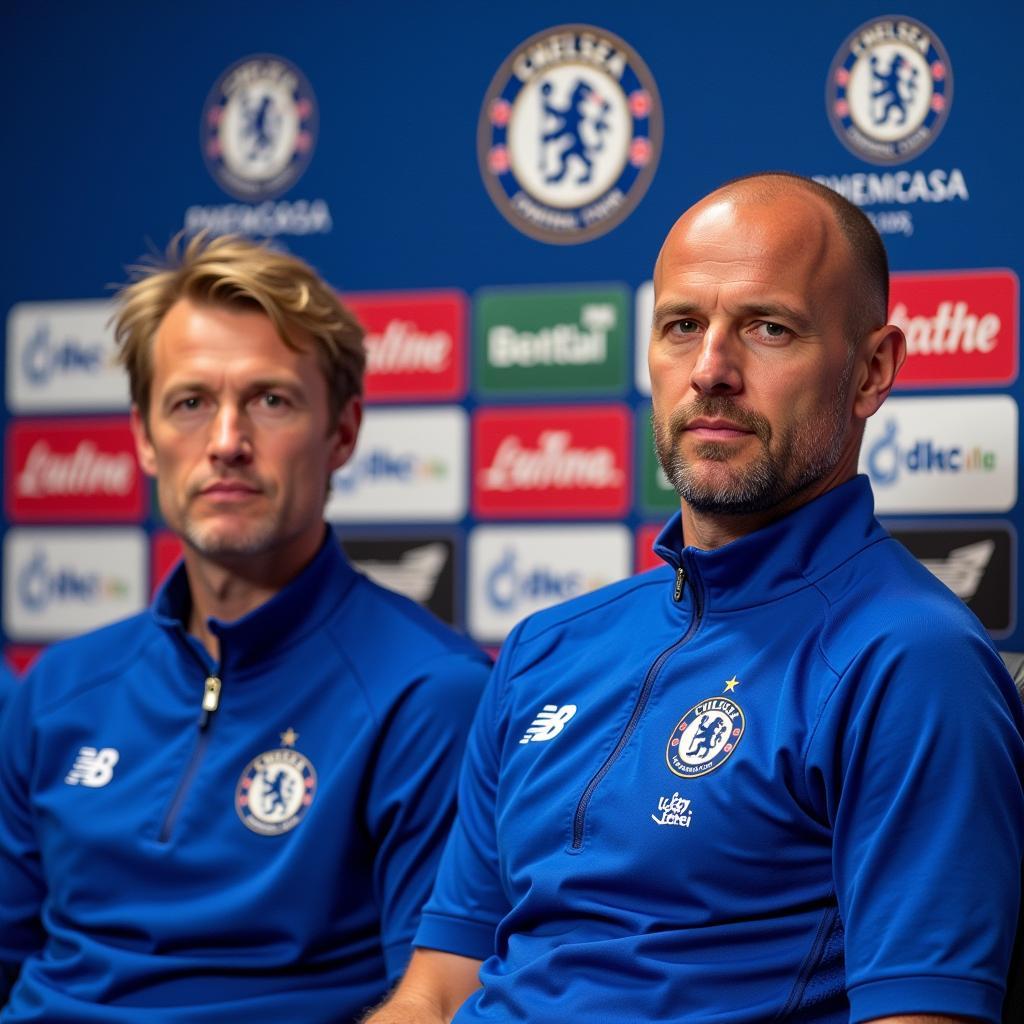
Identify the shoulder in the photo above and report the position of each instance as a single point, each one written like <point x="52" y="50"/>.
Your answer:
<point x="71" y="667"/>
<point x="392" y="644"/>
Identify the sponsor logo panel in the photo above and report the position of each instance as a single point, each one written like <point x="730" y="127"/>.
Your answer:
<point x="259" y="127"/>
<point x="569" y="134"/>
<point x="943" y="454"/>
<point x="73" y="470"/>
<point x="889" y="90"/>
<point x="165" y="550"/>
<point x="60" y="358"/>
<point x="643" y="317"/>
<point x="415" y="344"/>
<point x="645" y="556"/>
<point x="551" y="461"/>
<point x="517" y="570"/>
<point x="551" y="339"/>
<point x="409" y="464"/>
<point x="421" y="567"/>
<point x="961" y="327"/>
<point x="656" y="494"/>
<point x="59" y="582"/>
<point x="976" y="560"/>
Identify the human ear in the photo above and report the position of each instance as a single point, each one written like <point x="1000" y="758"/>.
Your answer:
<point x="143" y="445"/>
<point x="345" y="432"/>
<point x="881" y="356"/>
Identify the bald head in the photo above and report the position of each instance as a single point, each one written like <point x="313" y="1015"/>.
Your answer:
<point x="826" y="221"/>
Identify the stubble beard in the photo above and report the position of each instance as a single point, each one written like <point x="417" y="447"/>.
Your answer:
<point x="803" y="455"/>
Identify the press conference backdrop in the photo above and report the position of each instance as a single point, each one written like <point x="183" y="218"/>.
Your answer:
<point x="489" y="188"/>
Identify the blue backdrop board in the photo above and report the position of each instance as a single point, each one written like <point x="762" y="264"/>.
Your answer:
<point x="490" y="187"/>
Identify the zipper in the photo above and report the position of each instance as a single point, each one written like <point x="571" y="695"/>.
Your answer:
<point x="210" y="703"/>
<point x="641" y="703"/>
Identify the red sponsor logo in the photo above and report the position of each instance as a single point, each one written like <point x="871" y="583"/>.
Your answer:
<point x="961" y="327"/>
<point x="645" y="556"/>
<point x="73" y="471"/>
<point x="415" y="344"/>
<point x="164" y="554"/>
<point x="552" y="462"/>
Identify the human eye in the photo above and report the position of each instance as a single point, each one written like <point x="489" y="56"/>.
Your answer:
<point x="771" y="332"/>
<point x="186" y="405"/>
<point x="686" y="327"/>
<point x="272" y="402"/>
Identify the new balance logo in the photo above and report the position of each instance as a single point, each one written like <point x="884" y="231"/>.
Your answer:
<point x="92" y="767"/>
<point x="549" y="723"/>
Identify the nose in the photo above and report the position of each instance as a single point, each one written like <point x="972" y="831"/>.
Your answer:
<point x="717" y="368"/>
<point x="229" y="440"/>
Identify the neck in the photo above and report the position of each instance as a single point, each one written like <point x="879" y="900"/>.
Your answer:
<point x="228" y="588"/>
<point x="709" y="530"/>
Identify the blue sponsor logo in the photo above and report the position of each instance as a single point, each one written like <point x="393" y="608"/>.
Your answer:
<point x="888" y="460"/>
<point x="40" y="584"/>
<point x="382" y="466"/>
<point x="509" y="585"/>
<point x="44" y="357"/>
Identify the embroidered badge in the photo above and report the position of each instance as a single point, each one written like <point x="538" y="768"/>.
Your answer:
<point x="275" y="791"/>
<point x="93" y="768"/>
<point x="550" y="721"/>
<point x="673" y="810"/>
<point x="705" y="737"/>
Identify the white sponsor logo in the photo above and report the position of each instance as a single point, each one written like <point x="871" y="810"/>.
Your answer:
<point x="284" y="217"/>
<point x="517" y="570"/>
<point x="409" y="464"/>
<point x="962" y="569"/>
<point x="582" y="344"/>
<point x="673" y="810"/>
<point x="643" y="318"/>
<point x="86" y="470"/>
<point x="550" y="721"/>
<point x="60" y="356"/>
<point x="904" y="187"/>
<point x="953" y="328"/>
<point x="414" y="574"/>
<point x="92" y="767"/>
<point x="58" y="582"/>
<point x="554" y="463"/>
<point x="401" y="348"/>
<point x="943" y="454"/>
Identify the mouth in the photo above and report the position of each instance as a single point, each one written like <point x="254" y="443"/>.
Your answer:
<point x="227" y="491"/>
<point x="707" y="428"/>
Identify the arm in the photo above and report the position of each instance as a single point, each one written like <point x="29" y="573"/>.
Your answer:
<point x="411" y="802"/>
<point x="926" y="804"/>
<point x="434" y="987"/>
<point x="21" y="876"/>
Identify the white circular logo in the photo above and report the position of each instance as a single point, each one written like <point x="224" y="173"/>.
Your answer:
<point x="889" y="90"/>
<point x="275" y="791"/>
<point x="569" y="134"/>
<point x="705" y="737"/>
<point x="259" y="127"/>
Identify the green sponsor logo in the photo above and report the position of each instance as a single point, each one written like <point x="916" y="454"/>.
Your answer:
<point x="551" y="339"/>
<point x="657" y="495"/>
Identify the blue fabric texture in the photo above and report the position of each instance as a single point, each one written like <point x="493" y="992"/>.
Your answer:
<point x="793" y="793"/>
<point x="132" y="886"/>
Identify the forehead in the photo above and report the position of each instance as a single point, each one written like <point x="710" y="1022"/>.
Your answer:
<point x="788" y="247"/>
<point x="196" y="337"/>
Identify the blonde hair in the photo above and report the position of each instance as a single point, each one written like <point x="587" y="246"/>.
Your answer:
<point x="238" y="273"/>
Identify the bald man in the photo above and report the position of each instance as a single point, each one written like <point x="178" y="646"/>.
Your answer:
<point x="779" y="778"/>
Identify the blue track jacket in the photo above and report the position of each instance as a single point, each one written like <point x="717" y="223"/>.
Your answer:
<point x="264" y="862"/>
<point x="777" y="781"/>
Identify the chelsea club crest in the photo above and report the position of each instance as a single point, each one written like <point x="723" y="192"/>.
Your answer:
<point x="889" y="90"/>
<point x="275" y="791"/>
<point x="569" y="134"/>
<point x="259" y="127"/>
<point x="705" y="737"/>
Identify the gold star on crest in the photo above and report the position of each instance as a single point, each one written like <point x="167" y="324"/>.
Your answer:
<point x="289" y="736"/>
<point x="731" y="684"/>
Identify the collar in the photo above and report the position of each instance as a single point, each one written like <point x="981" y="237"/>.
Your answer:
<point x="784" y="556"/>
<point x="293" y="611"/>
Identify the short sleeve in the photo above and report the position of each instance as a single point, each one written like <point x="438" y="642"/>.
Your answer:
<point x="920" y="759"/>
<point x="469" y="900"/>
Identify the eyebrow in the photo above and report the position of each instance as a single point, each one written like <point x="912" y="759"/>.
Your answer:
<point x="766" y="310"/>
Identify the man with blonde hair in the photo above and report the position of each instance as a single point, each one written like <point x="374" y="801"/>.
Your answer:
<point x="229" y="807"/>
